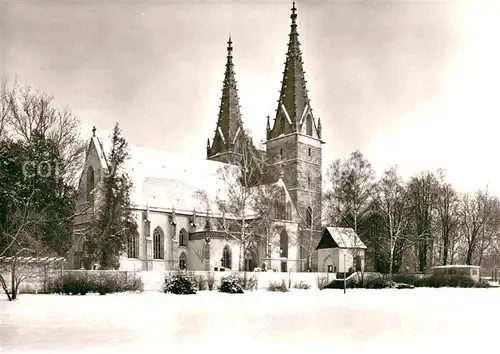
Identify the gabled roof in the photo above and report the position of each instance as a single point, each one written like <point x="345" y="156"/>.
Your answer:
<point x="340" y="237"/>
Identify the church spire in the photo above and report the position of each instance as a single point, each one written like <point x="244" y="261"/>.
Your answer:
<point x="229" y="120"/>
<point x="293" y="100"/>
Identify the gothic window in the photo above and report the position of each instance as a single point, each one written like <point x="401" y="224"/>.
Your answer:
<point x="289" y="211"/>
<point x="308" y="182"/>
<point x="183" y="237"/>
<point x="309" y="152"/>
<point x="281" y="153"/>
<point x="132" y="246"/>
<point x="182" y="261"/>
<point x="309" y="218"/>
<point x="90" y="184"/>
<point x="282" y="124"/>
<point x="309" y="126"/>
<point x="226" y="257"/>
<point x="158" y="238"/>
<point x="282" y="204"/>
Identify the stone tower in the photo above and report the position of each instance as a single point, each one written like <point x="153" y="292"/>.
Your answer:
<point x="229" y="133"/>
<point x="294" y="143"/>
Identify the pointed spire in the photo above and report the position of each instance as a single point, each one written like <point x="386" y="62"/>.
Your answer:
<point x="229" y="120"/>
<point x="293" y="95"/>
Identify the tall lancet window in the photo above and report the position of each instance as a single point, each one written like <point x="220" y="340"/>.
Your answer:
<point x="158" y="239"/>
<point x="90" y="184"/>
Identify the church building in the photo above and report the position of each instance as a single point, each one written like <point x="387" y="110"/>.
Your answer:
<point x="174" y="197"/>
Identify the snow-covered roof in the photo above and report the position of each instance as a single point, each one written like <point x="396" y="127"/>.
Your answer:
<point x="167" y="180"/>
<point x="345" y="237"/>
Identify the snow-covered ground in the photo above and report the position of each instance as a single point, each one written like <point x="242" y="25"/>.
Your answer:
<point x="369" y="321"/>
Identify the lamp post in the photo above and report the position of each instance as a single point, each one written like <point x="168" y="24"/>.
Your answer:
<point x="344" y="276"/>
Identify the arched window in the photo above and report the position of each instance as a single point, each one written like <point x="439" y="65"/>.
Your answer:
<point x="183" y="237"/>
<point x="289" y="211"/>
<point x="132" y="241"/>
<point x="90" y="184"/>
<point x="309" y="126"/>
<point x="182" y="261"/>
<point x="226" y="257"/>
<point x="309" y="218"/>
<point x="277" y="209"/>
<point x="283" y="244"/>
<point x="158" y="238"/>
<point x="281" y="153"/>
<point x="282" y="124"/>
<point x="308" y="182"/>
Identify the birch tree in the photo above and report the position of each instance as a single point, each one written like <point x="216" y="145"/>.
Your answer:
<point x="349" y="194"/>
<point x="391" y="199"/>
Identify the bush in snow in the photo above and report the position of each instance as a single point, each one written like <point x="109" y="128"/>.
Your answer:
<point x="180" y="282"/>
<point x="276" y="286"/>
<point x="246" y="281"/>
<point x="404" y="281"/>
<point x="230" y="285"/>
<point x="322" y="281"/>
<point x="210" y="281"/>
<point x="302" y="285"/>
<point x="201" y="282"/>
<point x="81" y="283"/>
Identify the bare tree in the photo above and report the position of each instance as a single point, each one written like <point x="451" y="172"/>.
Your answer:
<point x="248" y="205"/>
<point x="4" y="109"/>
<point x="392" y="201"/>
<point x="479" y="223"/>
<point x="446" y="206"/>
<point x="350" y="191"/>
<point x="490" y="233"/>
<point x="422" y="190"/>
<point x="474" y="210"/>
<point x="27" y="112"/>
<point x="21" y="240"/>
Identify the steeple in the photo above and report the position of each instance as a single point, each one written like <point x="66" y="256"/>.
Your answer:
<point x="293" y="102"/>
<point x="229" y="123"/>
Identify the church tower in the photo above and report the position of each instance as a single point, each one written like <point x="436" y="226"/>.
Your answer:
<point x="229" y="133"/>
<point x="294" y="144"/>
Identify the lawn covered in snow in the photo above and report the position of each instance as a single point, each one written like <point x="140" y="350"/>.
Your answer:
<point x="369" y="321"/>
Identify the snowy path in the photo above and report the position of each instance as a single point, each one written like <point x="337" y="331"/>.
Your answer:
<point x="429" y="320"/>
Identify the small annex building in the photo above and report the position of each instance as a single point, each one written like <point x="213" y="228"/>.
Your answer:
<point x="337" y="243"/>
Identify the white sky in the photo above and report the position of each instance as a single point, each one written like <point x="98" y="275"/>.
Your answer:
<point x="413" y="83"/>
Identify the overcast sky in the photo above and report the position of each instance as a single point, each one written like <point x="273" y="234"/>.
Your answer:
<point x="412" y="83"/>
